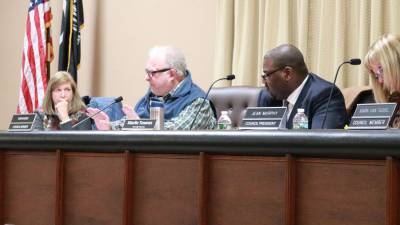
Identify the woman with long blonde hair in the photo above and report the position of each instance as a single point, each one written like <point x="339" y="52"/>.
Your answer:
<point x="383" y="65"/>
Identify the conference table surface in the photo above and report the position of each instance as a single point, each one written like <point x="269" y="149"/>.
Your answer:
<point x="319" y="143"/>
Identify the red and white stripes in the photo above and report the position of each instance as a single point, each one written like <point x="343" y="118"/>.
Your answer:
<point x="34" y="56"/>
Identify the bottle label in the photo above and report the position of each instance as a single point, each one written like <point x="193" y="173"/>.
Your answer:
<point x="224" y="126"/>
<point x="300" y="125"/>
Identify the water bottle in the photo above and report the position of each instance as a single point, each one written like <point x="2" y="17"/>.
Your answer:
<point x="300" y="120"/>
<point x="157" y="114"/>
<point x="224" y="122"/>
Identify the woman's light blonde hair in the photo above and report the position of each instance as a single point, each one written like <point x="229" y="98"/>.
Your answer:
<point x="386" y="52"/>
<point x="57" y="79"/>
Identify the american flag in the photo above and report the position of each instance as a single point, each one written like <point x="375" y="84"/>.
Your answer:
<point x="37" y="51"/>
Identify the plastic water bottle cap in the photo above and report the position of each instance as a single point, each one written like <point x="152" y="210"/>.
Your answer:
<point x="300" y="110"/>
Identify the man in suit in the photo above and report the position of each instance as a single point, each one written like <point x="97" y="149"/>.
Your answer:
<point x="289" y="83"/>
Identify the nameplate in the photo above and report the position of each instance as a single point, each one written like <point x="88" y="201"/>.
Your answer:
<point x="373" y="116"/>
<point x="22" y="122"/>
<point x="142" y="124"/>
<point x="264" y="118"/>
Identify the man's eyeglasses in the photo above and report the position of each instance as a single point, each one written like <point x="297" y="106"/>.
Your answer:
<point x="152" y="73"/>
<point x="267" y="74"/>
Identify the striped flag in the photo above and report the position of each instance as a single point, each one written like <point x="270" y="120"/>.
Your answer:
<point x="70" y="38"/>
<point x="37" y="51"/>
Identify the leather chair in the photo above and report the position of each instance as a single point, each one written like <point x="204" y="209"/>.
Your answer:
<point x="357" y="95"/>
<point x="235" y="100"/>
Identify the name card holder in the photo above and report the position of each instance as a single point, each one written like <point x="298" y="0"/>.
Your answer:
<point x="23" y="122"/>
<point x="140" y="124"/>
<point x="376" y="116"/>
<point x="264" y="118"/>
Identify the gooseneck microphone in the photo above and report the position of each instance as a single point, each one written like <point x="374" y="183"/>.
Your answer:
<point x="229" y="77"/>
<point x="116" y="100"/>
<point x="352" y="62"/>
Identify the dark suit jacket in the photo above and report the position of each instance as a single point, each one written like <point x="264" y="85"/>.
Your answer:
<point x="314" y="99"/>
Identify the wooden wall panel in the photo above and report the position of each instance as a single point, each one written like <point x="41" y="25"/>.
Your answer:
<point x="392" y="194"/>
<point x="397" y="190"/>
<point x="29" y="188"/>
<point x="244" y="190"/>
<point x="165" y="189"/>
<point x="2" y="173"/>
<point x="93" y="188"/>
<point x="340" y="191"/>
<point x="196" y="189"/>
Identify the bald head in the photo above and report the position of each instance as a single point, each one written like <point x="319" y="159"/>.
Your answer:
<point x="287" y="55"/>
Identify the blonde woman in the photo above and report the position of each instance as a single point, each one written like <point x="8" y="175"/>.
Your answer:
<point x="383" y="65"/>
<point x="62" y="106"/>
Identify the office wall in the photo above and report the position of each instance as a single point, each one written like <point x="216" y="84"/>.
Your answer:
<point x="115" y="41"/>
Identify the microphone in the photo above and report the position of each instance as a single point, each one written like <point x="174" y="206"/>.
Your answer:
<point x="229" y="77"/>
<point x="352" y="62"/>
<point x="116" y="100"/>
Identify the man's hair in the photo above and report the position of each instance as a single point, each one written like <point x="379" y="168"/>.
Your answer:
<point x="57" y="79"/>
<point x="287" y="55"/>
<point x="174" y="58"/>
<point x="386" y="52"/>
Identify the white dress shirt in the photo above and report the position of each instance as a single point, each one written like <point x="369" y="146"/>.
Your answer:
<point x="292" y="98"/>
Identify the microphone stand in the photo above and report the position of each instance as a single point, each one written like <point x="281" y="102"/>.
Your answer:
<point x="229" y="77"/>
<point x="352" y="62"/>
<point x="101" y="110"/>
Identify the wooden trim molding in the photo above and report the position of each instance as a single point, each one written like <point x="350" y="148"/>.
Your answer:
<point x="59" y="187"/>
<point x="128" y="188"/>
<point x="290" y="190"/>
<point x="203" y="188"/>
